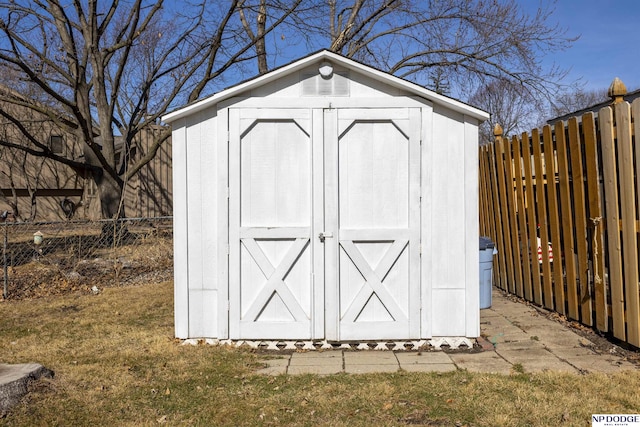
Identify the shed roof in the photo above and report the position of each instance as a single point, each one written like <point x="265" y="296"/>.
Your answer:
<point x="348" y="63"/>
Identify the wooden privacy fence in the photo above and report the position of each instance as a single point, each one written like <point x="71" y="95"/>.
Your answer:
<point x="574" y="186"/>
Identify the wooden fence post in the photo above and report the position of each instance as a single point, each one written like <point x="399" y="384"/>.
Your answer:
<point x="516" y="286"/>
<point x="612" y="216"/>
<point x="622" y="118"/>
<point x="530" y="289"/>
<point x="523" y="241"/>
<point x="554" y="220"/>
<point x="595" y="221"/>
<point x="505" y="261"/>
<point x="541" y="209"/>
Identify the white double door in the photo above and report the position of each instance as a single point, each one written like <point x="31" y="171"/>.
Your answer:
<point x="324" y="211"/>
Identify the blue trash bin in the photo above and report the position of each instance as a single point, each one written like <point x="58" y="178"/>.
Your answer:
<point x="487" y="248"/>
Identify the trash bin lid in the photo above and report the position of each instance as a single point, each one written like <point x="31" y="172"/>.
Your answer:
<point x="486" y="243"/>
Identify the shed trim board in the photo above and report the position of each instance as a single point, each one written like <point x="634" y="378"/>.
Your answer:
<point x="340" y="218"/>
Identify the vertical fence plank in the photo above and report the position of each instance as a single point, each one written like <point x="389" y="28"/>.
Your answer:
<point x="628" y="209"/>
<point x="507" y="254"/>
<point x="500" y="260"/>
<point x="580" y="221"/>
<point x="491" y="197"/>
<point x="614" y="247"/>
<point x="566" y="208"/>
<point x="554" y="219"/>
<point x="541" y="208"/>
<point x="482" y="192"/>
<point x="595" y="218"/>
<point x="531" y="217"/>
<point x="516" y="286"/>
<point x="491" y="222"/>
<point x="523" y="240"/>
<point x="633" y="315"/>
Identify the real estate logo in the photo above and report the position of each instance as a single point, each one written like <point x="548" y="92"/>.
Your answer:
<point x="615" y="420"/>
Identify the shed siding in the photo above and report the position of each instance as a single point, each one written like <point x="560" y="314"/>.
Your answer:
<point x="472" y="282"/>
<point x="447" y="168"/>
<point x="202" y="218"/>
<point x="427" y="206"/>
<point x="180" y="229"/>
<point x="449" y="228"/>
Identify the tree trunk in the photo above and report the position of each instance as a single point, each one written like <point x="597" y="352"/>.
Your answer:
<point x="110" y="190"/>
<point x="261" y="48"/>
<point x="111" y="196"/>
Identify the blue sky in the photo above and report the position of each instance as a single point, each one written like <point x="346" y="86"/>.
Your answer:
<point x="609" y="44"/>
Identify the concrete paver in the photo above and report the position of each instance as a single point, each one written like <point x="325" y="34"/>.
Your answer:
<point x="485" y="362"/>
<point x="317" y="369"/>
<point x="525" y="344"/>
<point x="307" y="359"/>
<point x="422" y="358"/>
<point x="573" y="352"/>
<point x="549" y="364"/>
<point x="597" y="363"/>
<point x="370" y="358"/>
<point x="521" y="355"/>
<point x="370" y="368"/>
<point x="429" y="367"/>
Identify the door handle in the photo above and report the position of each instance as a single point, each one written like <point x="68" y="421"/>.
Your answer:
<point x="324" y="235"/>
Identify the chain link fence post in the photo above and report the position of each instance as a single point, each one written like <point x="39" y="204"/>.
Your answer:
<point x="5" y="269"/>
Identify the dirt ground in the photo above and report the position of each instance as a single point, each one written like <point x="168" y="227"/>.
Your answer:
<point x="60" y="273"/>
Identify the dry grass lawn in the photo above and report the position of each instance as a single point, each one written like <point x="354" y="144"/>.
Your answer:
<point x="117" y="364"/>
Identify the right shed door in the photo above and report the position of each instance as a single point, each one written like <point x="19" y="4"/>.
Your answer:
<point x="372" y="178"/>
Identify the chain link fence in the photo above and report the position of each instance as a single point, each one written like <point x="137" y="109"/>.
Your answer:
<point x="56" y="257"/>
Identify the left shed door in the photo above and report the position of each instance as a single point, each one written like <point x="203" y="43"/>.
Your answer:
<point x="271" y="250"/>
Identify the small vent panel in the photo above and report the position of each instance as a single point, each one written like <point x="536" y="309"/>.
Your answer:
<point x="316" y="85"/>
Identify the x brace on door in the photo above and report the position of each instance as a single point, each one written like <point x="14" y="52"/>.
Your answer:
<point x="275" y="279"/>
<point x="373" y="280"/>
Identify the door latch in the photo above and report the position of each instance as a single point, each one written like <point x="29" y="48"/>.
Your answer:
<point x="324" y="235"/>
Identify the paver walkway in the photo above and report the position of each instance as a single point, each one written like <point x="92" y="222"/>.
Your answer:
<point x="518" y="338"/>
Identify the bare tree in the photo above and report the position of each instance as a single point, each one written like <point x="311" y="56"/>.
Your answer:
<point x="474" y="42"/>
<point x="510" y="106"/>
<point x="577" y="99"/>
<point x="103" y="70"/>
<point x="256" y="36"/>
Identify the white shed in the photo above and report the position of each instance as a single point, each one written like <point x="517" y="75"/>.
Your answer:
<point x="326" y="200"/>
